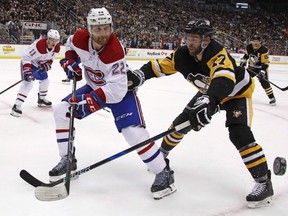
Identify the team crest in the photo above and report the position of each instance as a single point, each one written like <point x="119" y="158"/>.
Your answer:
<point x="237" y="113"/>
<point x="200" y="81"/>
<point x="253" y="59"/>
<point x="96" y="76"/>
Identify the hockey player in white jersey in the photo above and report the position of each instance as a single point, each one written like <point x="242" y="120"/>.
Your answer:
<point x="35" y="64"/>
<point x="104" y="68"/>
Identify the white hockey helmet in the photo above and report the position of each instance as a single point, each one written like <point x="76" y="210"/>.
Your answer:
<point x="54" y="34"/>
<point x="98" y="16"/>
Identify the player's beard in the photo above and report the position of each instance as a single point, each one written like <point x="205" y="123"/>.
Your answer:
<point x="194" y="52"/>
<point x="101" y="40"/>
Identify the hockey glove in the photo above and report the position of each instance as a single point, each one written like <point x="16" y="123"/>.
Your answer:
<point x="27" y="73"/>
<point x="261" y="74"/>
<point x="47" y="65"/>
<point x="243" y="62"/>
<point x="70" y="74"/>
<point x="85" y="104"/>
<point x="135" y="79"/>
<point x="200" y="112"/>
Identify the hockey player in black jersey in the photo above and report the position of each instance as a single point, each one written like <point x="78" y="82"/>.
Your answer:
<point x="257" y="56"/>
<point x="221" y="85"/>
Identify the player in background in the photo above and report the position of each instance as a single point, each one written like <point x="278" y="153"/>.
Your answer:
<point x="221" y="85"/>
<point x="35" y="64"/>
<point x="257" y="56"/>
<point x="104" y="68"/>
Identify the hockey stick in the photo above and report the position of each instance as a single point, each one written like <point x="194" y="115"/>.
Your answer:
<point x="11" y="86"/>
<point x="16" y="83"/>
<point x="70" y="136"/>
<point x="47" y="191"/>
<point x="282" y="89"/>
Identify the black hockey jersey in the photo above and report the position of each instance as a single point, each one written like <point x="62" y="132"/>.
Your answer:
<point x="216" y="63"/>
<point x="258" y="59"/>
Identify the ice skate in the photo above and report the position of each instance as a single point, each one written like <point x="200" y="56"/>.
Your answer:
<point x="43" y="102"/>
<point x="163" y="184"/>
<point x="59" y="171"/>
<point x="272" y="101"/>
<point x="262" y="192"/>
<point x="16" y="111"/>
<point x="66" y="81"/>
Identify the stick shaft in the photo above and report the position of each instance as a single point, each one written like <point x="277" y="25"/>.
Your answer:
<point x="11" y="86"/>
<point x="263" y="78"/>
<point x="26" y="176"/>
<point x="70" y="136"/>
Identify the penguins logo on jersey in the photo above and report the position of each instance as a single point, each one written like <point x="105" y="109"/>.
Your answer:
<point x="237" y="113"/>
<point x="253" y="60"/>
<point x="200" y="81"/>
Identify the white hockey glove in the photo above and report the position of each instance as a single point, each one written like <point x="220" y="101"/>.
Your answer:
<point x="135" y="79"/>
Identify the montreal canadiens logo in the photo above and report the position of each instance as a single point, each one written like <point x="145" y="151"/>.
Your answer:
<point x="96" y="76"/>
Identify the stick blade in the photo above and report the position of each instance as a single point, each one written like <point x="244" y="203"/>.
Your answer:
<point x="26" y="176"/>
<point x="51" y="193"/>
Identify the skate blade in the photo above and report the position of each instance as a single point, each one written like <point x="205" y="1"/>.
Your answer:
<point x="51" y="193"/>
<point x="15" y="114"/>
<point x="160" y="194"/>
<point x="259" y="204"/>
<point x="66" y="82"/>
<point x="44" y="106"/>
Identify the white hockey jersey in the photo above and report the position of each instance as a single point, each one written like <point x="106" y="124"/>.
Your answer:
<point x="104" y="70"/>
<point x="38" y="53"/>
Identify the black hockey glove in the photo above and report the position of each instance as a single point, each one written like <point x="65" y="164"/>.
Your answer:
<point x="135" y="79"/>
<point x="261" y="74"/>
<point x="243" y="62"/>
<point x="200" y="113"/>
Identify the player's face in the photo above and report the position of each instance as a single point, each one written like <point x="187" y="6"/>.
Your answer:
<point x="193" y="42"/>
<point x="101" y="33"/>
<point x="52" y="43"/>
<point x="256" y="44"/>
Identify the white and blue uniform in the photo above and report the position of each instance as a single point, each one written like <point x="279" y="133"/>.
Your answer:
<point x="36" y="55"/>
<point x="105" y="74"/>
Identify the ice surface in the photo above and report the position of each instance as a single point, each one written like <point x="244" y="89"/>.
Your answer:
<point x="210" y="176"/>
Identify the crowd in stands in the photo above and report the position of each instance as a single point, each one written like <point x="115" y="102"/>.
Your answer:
<point x="154" y="23"/>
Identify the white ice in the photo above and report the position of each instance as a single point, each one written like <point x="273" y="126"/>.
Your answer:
<point x="209" y="174"/>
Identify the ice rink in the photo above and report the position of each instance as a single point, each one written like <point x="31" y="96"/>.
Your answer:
<point x="210" y="176"/>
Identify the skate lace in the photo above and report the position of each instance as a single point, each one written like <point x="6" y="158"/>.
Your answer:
<point x="258" y="188"/>
<point x="62" y="164"/>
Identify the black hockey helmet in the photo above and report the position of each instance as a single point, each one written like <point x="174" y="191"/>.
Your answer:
<point x="200" y="26"/>
<point x="257" y="37"/>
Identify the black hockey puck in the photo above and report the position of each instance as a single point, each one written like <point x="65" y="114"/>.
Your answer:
<point x="279" y="166"/>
